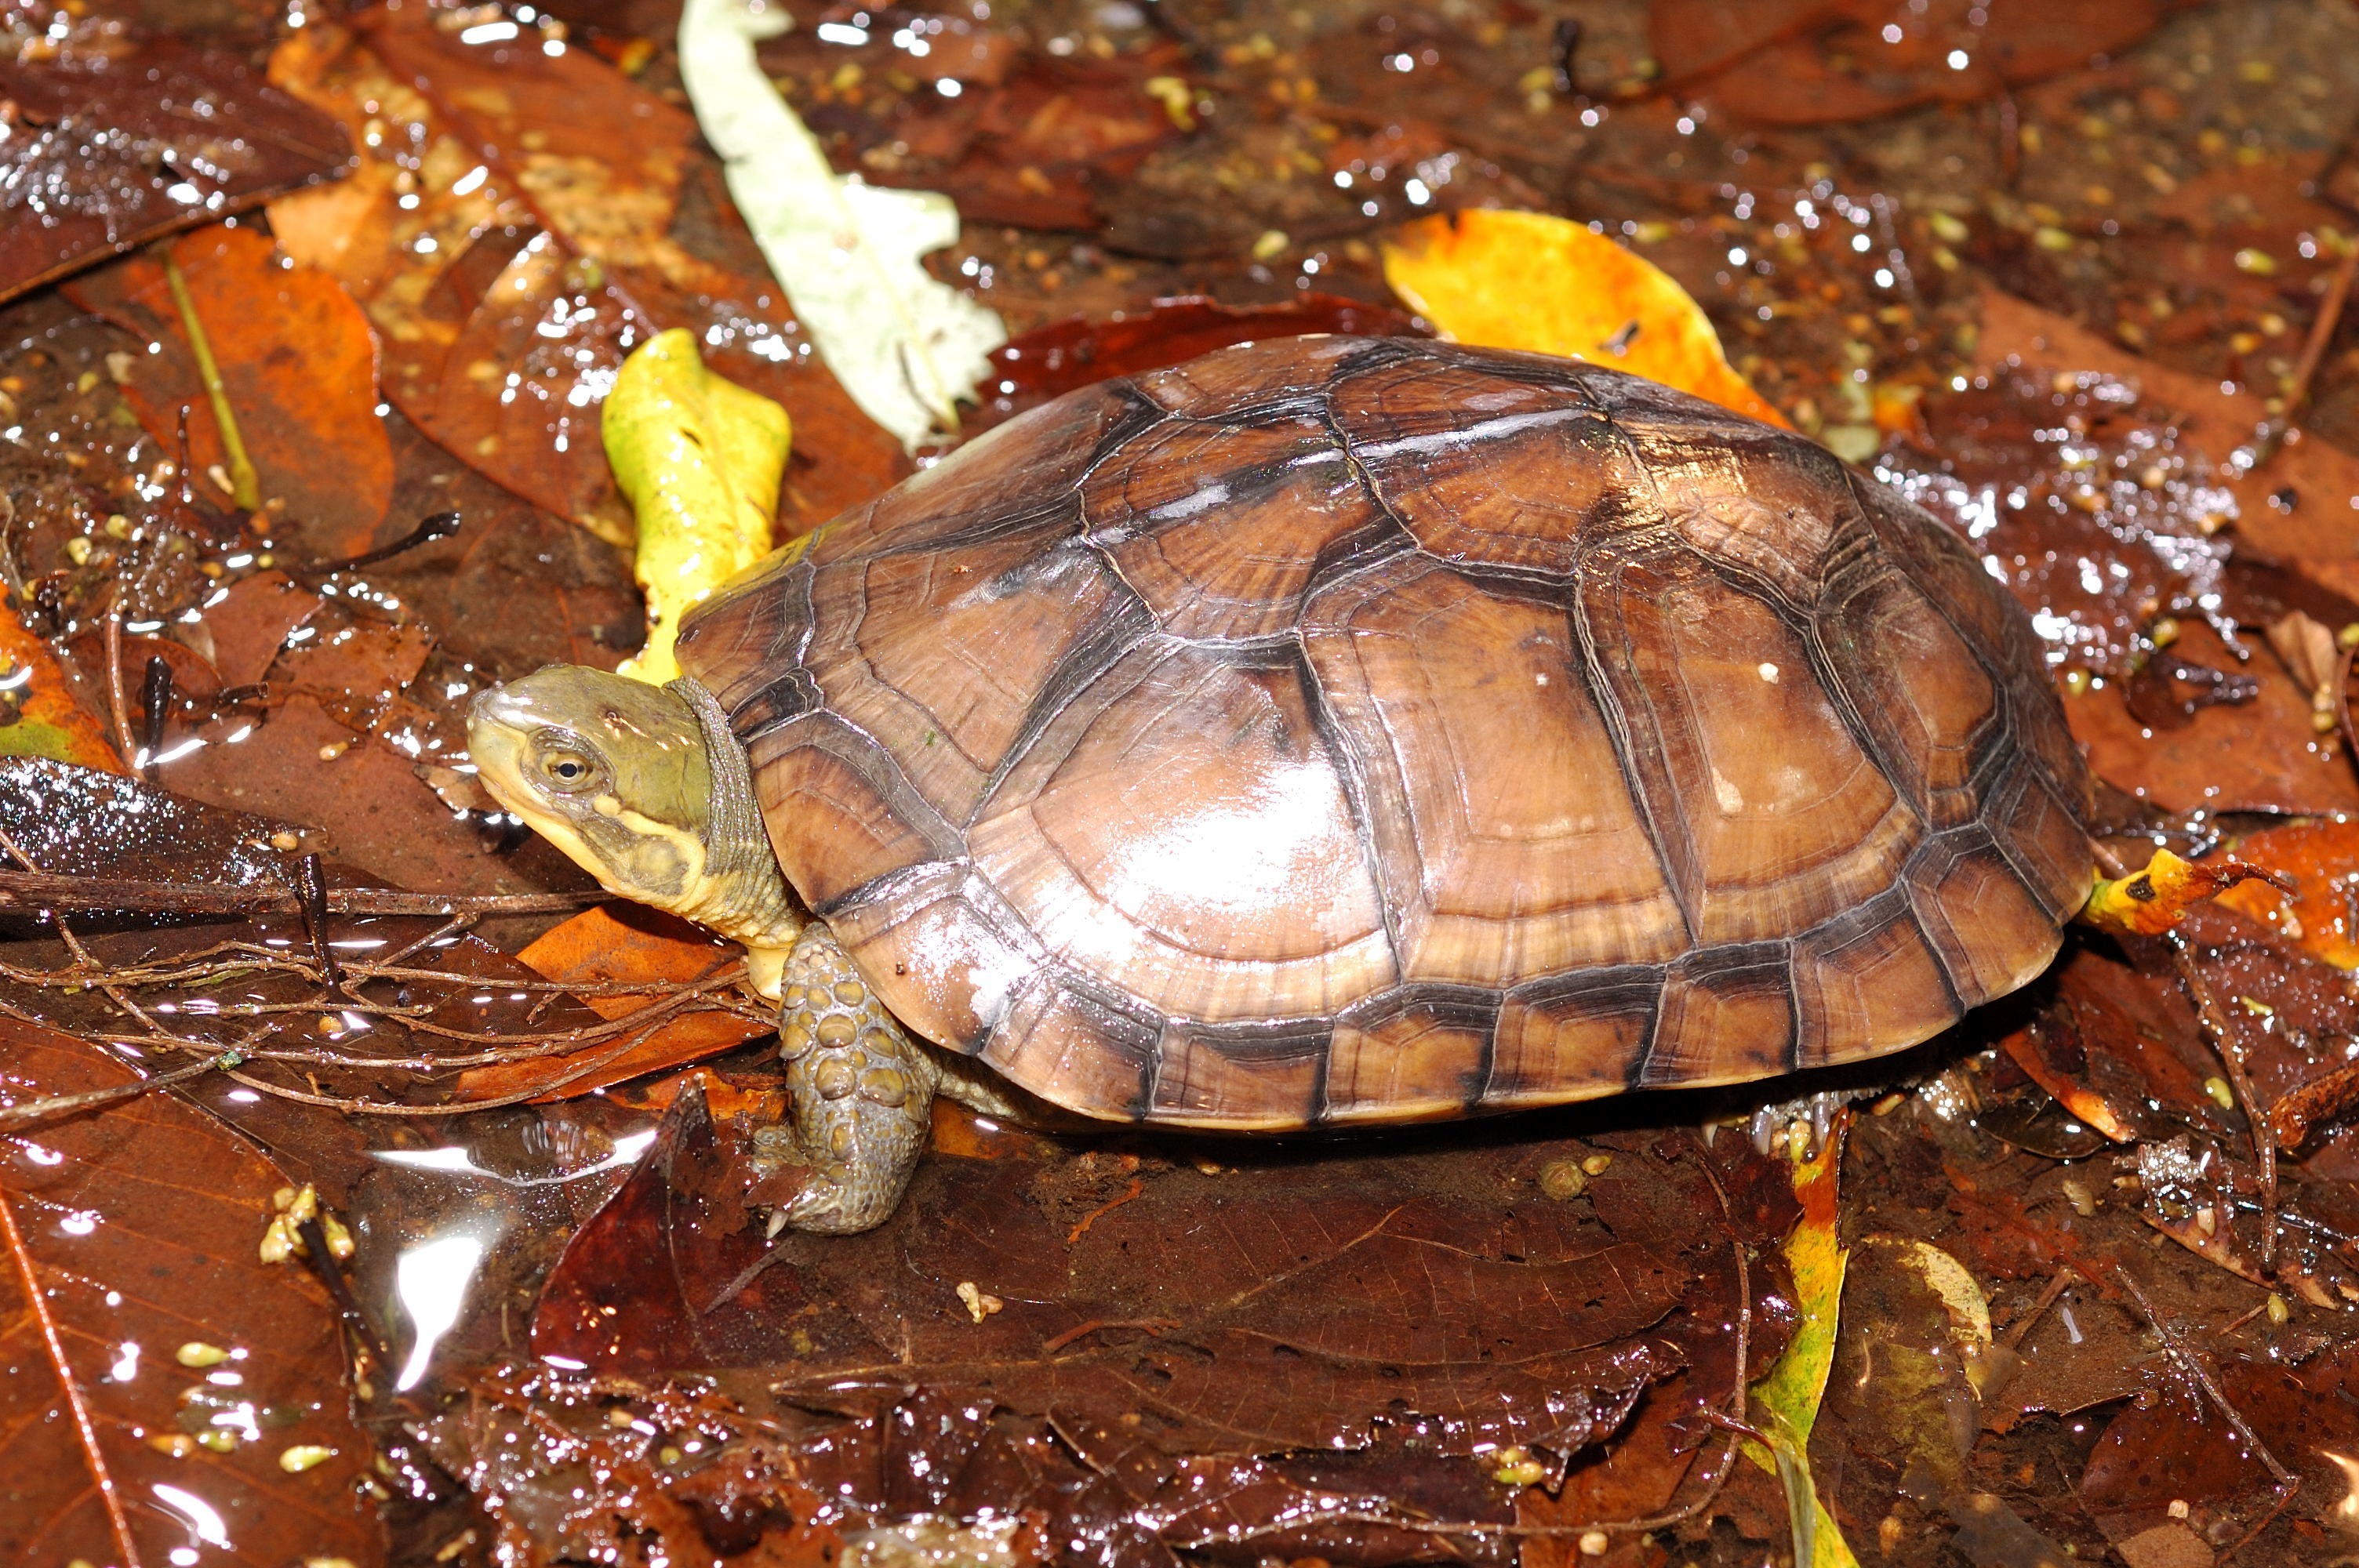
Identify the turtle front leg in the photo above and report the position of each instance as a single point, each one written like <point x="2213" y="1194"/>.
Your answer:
<point x="863" y="1091"/>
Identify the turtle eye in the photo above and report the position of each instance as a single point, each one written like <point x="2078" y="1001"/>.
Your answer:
<point x="568" y="771"/>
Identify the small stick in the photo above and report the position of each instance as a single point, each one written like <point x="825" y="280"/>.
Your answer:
<point x="311" y="904"/>
<point x="437" y="526"/>
<point x="119" y="708"/>
<point x="39" y="1110"/>
<point x="47" y="891"/>
<point x="2321" y="334"/>
<point x="245" y="486"/>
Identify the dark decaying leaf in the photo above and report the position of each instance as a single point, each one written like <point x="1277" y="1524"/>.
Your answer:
<point x="2172" y="1467"/>
<point x="136" y="1319"/>
<point x="1336" y="1300"/>
<point x="104" y="147"/>
<point x="1029" y="138"/>
<point x="1806" y="62"/>
<point x="507" y="231"/>
<point x="1035" y="367"/>
<point x="297" y="360"/>
<point x="82" y="822"/>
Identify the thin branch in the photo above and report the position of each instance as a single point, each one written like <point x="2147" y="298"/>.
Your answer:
<point x="245" y="486"/>
<point x="46" y="891"/>
<point x="33" y="1112"/>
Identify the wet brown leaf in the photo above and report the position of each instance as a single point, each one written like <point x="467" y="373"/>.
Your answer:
<point x="130" y="1236"/>
<point x="296" y="359"/>
<point x="507" y="231"/>
<point x="2297" y="503"/>
<point x="107" y="146"/>
<point x="1035" y="367"/>
<point x="1032" y="140"/>
<point x="1296" y="1303"/>
<point x="2172" y="1460"/>
<point x="1807" y="62"/>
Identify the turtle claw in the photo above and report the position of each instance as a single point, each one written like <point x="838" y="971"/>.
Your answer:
<point x="1803" y="1124"/>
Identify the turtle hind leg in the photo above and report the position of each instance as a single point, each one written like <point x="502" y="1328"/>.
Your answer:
<point x="863" y="1091"/>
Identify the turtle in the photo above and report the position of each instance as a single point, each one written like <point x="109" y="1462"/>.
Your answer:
<point x="1332" y="731"/>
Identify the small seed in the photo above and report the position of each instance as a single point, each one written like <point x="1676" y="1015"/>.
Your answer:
<point x="220" y="1439"/>
<point x="1593" y="1542"/>
<point x="2222" y="1094"/>
<point x="1563" y="1179"/>
<point x="1597" y="1165"/>
<point x="196" y="1353"/>
<point x="2280" y="1311"/>
<point x="978" y="1305"/>
<point x="304" y="1456"/>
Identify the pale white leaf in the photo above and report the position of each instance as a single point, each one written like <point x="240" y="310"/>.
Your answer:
<point x="906" y="346"/>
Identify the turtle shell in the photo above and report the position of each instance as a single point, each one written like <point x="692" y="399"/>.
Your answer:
<point x="1333" y="730"/>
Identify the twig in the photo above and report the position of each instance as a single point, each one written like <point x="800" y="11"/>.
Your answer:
<point x="246" y="487"/>
<point x="118" y="707"/>
<point x="2258" y="1123"/>
<point x="2321" y="334"/>
<point x="2286" y="1483"/>
<point x="2021" y="1328"/>
<point x="39" y="1110"/>
<point x="45" y="891"/>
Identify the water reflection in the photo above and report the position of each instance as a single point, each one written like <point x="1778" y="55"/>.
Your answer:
<point x="431" y="1281"/>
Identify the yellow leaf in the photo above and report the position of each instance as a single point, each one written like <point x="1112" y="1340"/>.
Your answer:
<point x="2150" y="902"/>
<point x="1787" y="1396"/>
<point x="48" y="722"/>
<point x="699" y="457"/>
<point x="1524" y="280"/>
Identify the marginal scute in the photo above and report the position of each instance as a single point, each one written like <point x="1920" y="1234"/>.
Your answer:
<point x="1332" y="731"/>
<point x="1867" y="983"/>
<point x="1239" y="1081"/>
<point x="1408" y="1062"/>
<point x="1726" y="1016"/>
<point x="1562" y="1042"/>
<point x="1988" y="930"/>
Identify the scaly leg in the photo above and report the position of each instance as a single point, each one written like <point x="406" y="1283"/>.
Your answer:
<point x="863" y="1091"/>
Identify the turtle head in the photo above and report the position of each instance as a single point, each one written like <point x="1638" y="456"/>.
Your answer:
<point x="613" y="772"/>
<point x="646" y="789"/>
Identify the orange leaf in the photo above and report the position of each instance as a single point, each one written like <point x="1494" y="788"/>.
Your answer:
<point x="627" y="944"/>
<point x="296" y="359"/>
<point x="2322" y="860"/>
<point x="49" y="721"/>
<point x="1524" y="280"/>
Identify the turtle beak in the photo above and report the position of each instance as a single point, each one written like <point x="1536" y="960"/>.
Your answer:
<point x="497" y="721"/>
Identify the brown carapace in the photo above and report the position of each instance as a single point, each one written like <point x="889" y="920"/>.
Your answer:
<point x="1337" y="729"/>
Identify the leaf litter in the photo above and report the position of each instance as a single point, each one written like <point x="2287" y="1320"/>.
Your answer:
<point x="2162" y="1308"/>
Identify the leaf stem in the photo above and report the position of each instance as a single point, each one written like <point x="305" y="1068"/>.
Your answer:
<point x="245" y="486"/>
